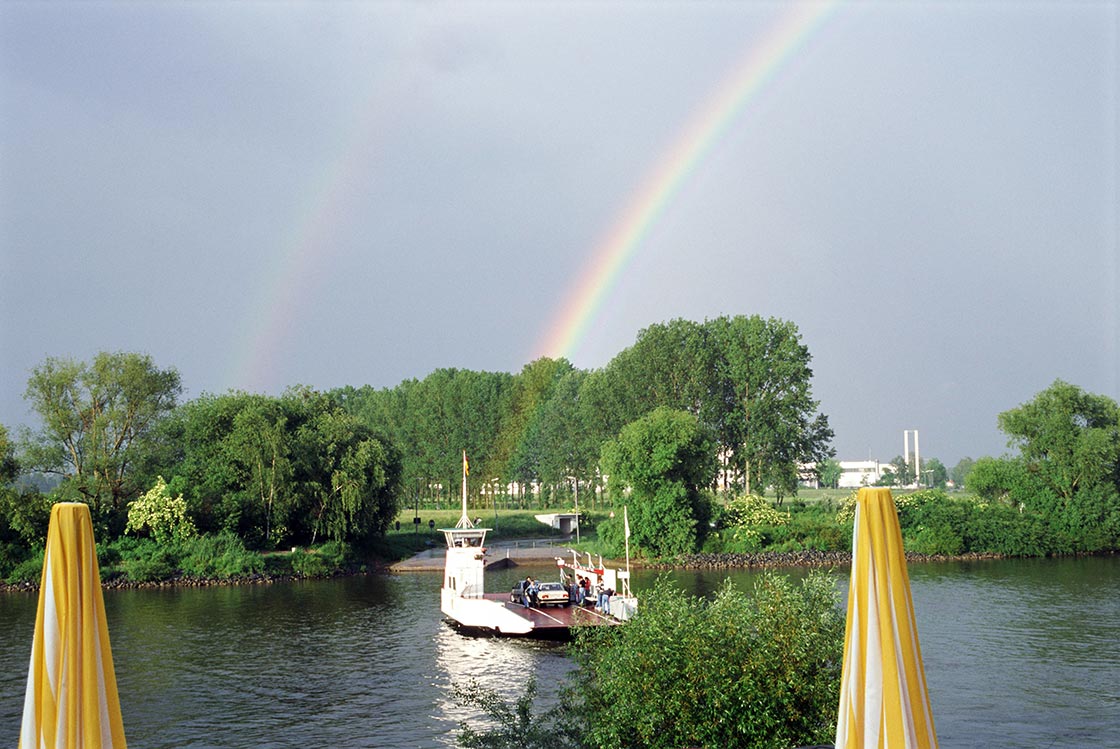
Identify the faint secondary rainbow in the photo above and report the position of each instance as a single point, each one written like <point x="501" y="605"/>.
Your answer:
<point x="297" y="272"/>
<point x="788" y="35"/>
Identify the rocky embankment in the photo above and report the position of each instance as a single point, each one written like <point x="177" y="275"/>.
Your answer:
<point x="122" y="582"/>
<point x="763" y="560"/>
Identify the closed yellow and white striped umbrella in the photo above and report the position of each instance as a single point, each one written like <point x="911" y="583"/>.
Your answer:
<point x="71" y="686"/>
<point x="883" y="699"/>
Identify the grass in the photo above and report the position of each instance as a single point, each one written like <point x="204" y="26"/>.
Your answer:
<point x="509" y="524"/>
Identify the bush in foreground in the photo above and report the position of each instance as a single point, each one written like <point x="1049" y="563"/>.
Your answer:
<point x="758" y="671"/>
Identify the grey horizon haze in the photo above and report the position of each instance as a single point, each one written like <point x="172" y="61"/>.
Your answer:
<point x="263" y="195"/>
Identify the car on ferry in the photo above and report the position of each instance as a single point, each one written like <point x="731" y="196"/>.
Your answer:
<point x="554" y="593"/>
<point x="547" y="594"/>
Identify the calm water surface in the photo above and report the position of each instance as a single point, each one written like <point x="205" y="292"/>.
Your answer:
<point x="1017" y="654"/>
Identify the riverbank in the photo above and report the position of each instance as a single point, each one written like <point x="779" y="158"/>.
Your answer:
<point x="808" y="558"/>
<point x="528" y="553"/>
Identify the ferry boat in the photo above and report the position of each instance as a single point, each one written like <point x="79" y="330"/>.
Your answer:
<point x="465" y="602"/>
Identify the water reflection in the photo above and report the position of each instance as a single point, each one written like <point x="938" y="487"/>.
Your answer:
<point x="1017" y="653"/>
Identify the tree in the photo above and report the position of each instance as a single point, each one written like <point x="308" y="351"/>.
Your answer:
<point x="9" y="466"/>
<point x="995" y="480"/>
<point x="529" y="392"/>
<point x="934" y="474"/>
<point x="263" y="451"/>
<point x="830" y="472"/>
<point x="897" y="473"/>
<point x="97" y="420"/>
<point x="347" y="476"/>
<point x="747" y="379"/>
<point x="663" y="458"/>
<point x="562" y="437"/>
<point x="772" y="425"/>
<point x="959" y="473"/>
<point x="1067" y="472"/>
<point x="1070" y="439"/>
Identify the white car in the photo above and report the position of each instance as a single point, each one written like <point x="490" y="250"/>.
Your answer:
<point x="554" y="593"/>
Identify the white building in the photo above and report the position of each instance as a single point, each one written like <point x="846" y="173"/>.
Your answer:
<point x="857" y="473"/>
<point x="853" y="473"/>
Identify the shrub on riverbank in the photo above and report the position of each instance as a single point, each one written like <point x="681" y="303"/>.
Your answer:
<point x="26" y="571"/>
<point x="750" y="525"/>
<point x="763" y="672"/>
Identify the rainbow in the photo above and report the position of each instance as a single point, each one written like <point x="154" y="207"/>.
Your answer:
<point x="296" y="272"/>
<point x="705" y="129"/>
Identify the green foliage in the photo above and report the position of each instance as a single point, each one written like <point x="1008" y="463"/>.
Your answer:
<point x="9" y="466"/>
<point x="162" y="515"/>
<point x="98" y="421"/>
<point x="1066" y="480"/>
<point x="329" y="559"/>
<point x="663" y="458"/>
<point x="998" y="480"/>
<point x="1069" y="439"/>
<point x="747" y="516"/>
<point x="830" y="472"/>
<point x="27" y="515"/>
<point x="959" y="472"/>
<point x="934" y="474"/>
<point x="221" y="556"/>
<point x="27" y="570"/>
<point x="517" y="726"/>
<point x="149" y="561"/>
<point x="759" y="670"/>
<point x="283" y="471"/>
<point x="763" y="528"/>
<point x="308" y="563"/>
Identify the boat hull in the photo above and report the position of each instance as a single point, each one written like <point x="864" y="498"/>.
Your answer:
<point x="495" y="614"/>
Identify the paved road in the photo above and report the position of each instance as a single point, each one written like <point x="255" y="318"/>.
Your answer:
<point x="515" y="551"/>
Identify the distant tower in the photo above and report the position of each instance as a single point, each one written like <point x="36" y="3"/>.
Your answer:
<point x="906" y="453"/>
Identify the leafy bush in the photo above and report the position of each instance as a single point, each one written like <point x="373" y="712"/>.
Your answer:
<point x="12" y="554"/>
<point x="219" y="556"/>
<point x="308" y="563"/>
<point x="521" y="726"/>
<point x="149" y="561"/>
<point x="748" y="516"/>
<point x="330" y="558"/>
<point x="761" y="670"/>
<point x="339" y="555"/>
<point x="30" y="570"/>
<point x="160" y="514"/>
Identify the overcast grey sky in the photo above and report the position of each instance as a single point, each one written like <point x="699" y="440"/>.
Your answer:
<point x="267" y="194"/>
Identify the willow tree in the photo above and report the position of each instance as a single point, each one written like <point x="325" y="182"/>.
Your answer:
<point x="349" y="476"/>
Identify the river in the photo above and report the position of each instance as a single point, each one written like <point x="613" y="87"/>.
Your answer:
<point x="1018" y="653"/>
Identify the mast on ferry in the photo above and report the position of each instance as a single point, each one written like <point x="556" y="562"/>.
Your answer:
<point x="465" y="565"/>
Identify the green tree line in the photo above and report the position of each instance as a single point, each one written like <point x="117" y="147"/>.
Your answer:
<point x="746" y="380"/>
<point x="310" y="466"/>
